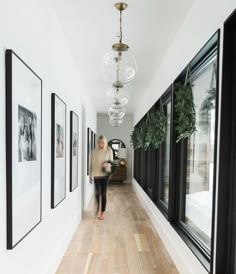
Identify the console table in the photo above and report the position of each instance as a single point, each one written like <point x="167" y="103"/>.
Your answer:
<point x="120" y="174"/>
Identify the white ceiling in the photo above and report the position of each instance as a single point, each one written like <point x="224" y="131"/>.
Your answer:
<point x="91" y="27"/>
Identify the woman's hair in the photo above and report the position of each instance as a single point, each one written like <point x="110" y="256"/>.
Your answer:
<point x="104" y="139"/>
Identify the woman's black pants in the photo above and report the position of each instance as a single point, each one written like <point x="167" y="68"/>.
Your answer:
<point x="101" y="191"/>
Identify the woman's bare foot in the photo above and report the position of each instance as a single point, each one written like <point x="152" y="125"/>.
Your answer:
<point x="102" y="216"/>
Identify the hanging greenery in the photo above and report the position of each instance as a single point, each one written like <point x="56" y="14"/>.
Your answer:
<point x="150" y="134"/>
<point x="185" y="111"/>
<point x="138" y="137"/>
<point x="142" y="137"/>
<point x="134" y="138"/>
<point x="156" y="130"/>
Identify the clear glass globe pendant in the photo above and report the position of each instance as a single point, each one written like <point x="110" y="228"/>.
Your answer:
<point x="119" y="66"/>
<point x="115" y="122"/>
<point x="116" y="113"/>
<point x="116" y="95"/>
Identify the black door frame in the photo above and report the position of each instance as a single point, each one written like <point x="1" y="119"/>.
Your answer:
<point x="226" y="217"/>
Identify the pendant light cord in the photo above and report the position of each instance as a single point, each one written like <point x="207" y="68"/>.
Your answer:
<point x="121" y="32"/>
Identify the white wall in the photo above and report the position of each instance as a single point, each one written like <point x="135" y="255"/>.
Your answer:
<point x="91" y="122"/>
<point x="31" y="29"/>
<point x="122" y="133"/>
<point x="203" y="20"/>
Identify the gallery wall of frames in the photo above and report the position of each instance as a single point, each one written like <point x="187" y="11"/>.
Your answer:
<point x="179" y="176"/>
<point x="24" y="149"/>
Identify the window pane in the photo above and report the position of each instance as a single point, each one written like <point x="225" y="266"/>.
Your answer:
<point x="165" y="161"/>
<point x="200" y="156"/>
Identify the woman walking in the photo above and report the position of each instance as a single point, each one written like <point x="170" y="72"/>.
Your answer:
<point x="98" y="162"/>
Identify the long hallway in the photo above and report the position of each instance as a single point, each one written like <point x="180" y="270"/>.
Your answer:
<point x="125" y="242"/>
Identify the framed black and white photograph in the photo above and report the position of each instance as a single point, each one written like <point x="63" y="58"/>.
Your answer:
<point x="23" y="149"/>
<point x="74" y="150"/>
<point x="94" y="140"/>
<point x="89" y="144"/>
<point x="58" y="157"/>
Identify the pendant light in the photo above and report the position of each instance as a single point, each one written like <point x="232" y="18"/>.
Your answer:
<point x="116" y="94"/>
<point x="117" y="113"/>
<point x="115" y="122"/>
<point x="119" y="65"/>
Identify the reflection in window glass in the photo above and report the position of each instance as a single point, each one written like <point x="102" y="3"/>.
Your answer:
<point x="165" y="162"/>
<point x="200" y="156"/>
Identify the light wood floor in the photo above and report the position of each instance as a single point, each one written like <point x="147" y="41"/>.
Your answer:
<point x="125" y="242"/>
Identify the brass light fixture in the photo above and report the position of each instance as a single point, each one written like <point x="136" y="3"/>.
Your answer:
<point x="120" y="47"/>
<point x="119" y="67"/>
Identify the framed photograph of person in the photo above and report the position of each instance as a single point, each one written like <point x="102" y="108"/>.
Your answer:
<point x="74" y="150"/>
<point x="89" y="143"/>
<point x="23" y="149"/>
<point x="92" y="140"/>
<point x="58" y="157"/>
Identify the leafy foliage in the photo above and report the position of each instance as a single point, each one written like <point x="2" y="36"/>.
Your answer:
<point x="111" y="170"/>
<point x="157" y="130"/>
<point x="142" y="137"/>
<point x="138" y="137"/>
<point x="134" y="138"/>
<point x="185" y="111"/>
<point x="152" y="134"/>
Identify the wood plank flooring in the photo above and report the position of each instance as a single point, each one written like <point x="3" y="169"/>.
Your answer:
<point x="124" y="243"/>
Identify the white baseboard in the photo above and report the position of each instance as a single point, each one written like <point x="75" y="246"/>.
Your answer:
<point x="89" y="197"/>
<point x="62" y="246"/>
<point x="182" y="256"/>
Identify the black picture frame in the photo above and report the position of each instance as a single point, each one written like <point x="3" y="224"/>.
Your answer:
<point x="88" y="150"/>
<point x="74" y="150"/>
<point x="29" y="156"/>
<point x="58" y="151"/>
<point x="94" y="140"/>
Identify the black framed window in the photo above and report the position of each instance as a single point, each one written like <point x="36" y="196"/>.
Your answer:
<point x="144" y="169"/>
<point x="163" y="193"/>
<point x="138" y="161"/>
<point x="225" y="260"/>
<point x="135" y="164"/>
<point x="165" y="159"/>
<point x="152" y="163"/>
<point x="183" y="184"/>
<point x="196" y="159"/>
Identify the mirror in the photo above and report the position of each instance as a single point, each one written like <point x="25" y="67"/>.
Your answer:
<point x="115" y="144"/>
